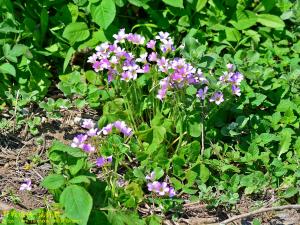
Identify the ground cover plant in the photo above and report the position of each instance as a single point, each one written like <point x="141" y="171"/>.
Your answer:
<point x="196" y="101"/>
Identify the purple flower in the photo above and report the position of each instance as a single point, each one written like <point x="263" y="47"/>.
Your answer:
<point x="93" y="58"/>
<point x="102" y="161"/>
<point x="172" y="192"/>
<point x="146" y="68"/>
<point x="78" y="141"/>
<point x="26" y="186"/>
<point x="88" y="124"/>
<point x="201" y="93"/>
<point x="167" y="45"/>
<point x="109" y="159"/>
<point x="151" y="44"/>
<point x="119" y="125"/>
<point x="107" y="129"/>
<point x="88" y="148"/>
<point x="142" y="58"/>
<point x="152" y="57"/>
<point x="122" y="127"/>
<point x="154" y="186"/>
<point x="135" y="39"/>
<point x="163" y="64"/>
<point x="162" y="35"/>
<point x="163" y="189"/>
<point x="236" y="78"/>
<point x="236" y="90"/>
<point x="225" y="77"/>
<point x="217" y="98"/>
<point x="92" y="132"/>
<point x="229" y="67"/>
<point x="121" y="36"/>
<point x="151" y="176"/>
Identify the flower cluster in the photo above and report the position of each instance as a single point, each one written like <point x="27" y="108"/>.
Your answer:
<point x="232" y="78"/>
<point x="80" y="141"/>
<point x="156" y="55"/>
<point x="160" y="188"/>
<point x="229" y="77"/>
<point x="123" y="64"/>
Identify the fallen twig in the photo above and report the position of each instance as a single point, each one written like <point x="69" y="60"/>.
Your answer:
<point x="245" y="215"/>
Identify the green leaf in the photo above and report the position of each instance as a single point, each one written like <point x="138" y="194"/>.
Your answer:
<point x="7" y="68"/>
<point x="290" y="192"/>
<point x="75" y="152"/>
<point x="270" y="21"/>
<point x="159" y="133"/>
<point x="174" y="3"/>
<point x="80" y="179"/>
<point x="77" y="203"/>
<point x="76" y="32"/>
<point x="244" y="19"/>
<point x="195" y="129"/>
<point x="68" y="58"/>
<point x="104" y="13"/>
<point x="200" y="5"/>
<point x="204" y="173"/>
<point x="232" y="34"/>
<point x="93" y="77"/>
<point x="285" y="141"/>
<point x="53" y="181"/>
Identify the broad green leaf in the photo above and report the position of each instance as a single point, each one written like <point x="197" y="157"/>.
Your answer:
<point x="174" y="3"/>
<point x="80" y="179"/>
<point x="76" y="32"/>
<point x="269" y="20"/>
<point x="232" y="34"/>
<point x="93" y="77"/>
<point x="285" y="141"/>
<point x="68" y="58"/>
<point x="200" y="5"/>
<point x="77" y="203"/>
<point x="7" y="68"/>
<point x="75" y="152"/>
<point x="244" y="20"/>
<point x="204" y="173"/>
<point x="195" y="129"/>
<point x="53" y="181"/>
<point x="159" y="133"/>
<point x="290" y="192"/>
<point x="104" y="13"/>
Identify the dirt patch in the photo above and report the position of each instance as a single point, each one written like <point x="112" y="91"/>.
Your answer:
<point x="23" y="156"/>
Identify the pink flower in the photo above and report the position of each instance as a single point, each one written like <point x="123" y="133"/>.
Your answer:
<point x="107" y="129"/>
<point x="121" y="36"/>
<point x="26" y="186"/>
<point x="78" y="141"/>
<point x="88" y="124"/>
<point x="236" y="90"/>
<point x="102" y="161"/>
<point x="92" y="132"/>
<point x="217" y="98"/>
<point x="152" y="57"/>
<point x="151" y="44"/>
<point x="88" y="148"/>
<point x="151" y="176"/>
